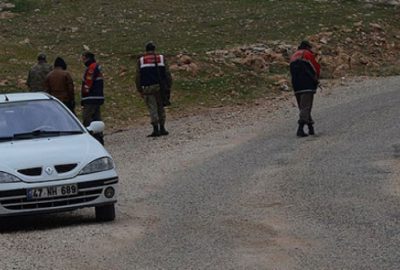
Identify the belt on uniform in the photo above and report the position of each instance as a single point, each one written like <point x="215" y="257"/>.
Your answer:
<point x="148" y="86"/>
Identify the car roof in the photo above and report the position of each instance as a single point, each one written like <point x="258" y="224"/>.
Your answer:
<point x="12" y="97"/>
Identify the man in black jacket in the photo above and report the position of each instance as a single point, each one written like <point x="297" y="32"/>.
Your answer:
<point x="305" y="72"/>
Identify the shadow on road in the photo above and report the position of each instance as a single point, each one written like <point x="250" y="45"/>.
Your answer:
<point x="45" y="222"/>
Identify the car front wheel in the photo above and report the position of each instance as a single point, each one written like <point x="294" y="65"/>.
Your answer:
<point x="105" y="212"/>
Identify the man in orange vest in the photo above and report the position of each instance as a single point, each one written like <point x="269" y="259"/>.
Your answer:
<point x="92" y="95"/>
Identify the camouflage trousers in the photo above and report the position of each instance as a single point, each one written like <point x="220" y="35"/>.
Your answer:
<point x="152" y="98"/>
<point x="305" y="103"/>
<point x="90" y="113"/>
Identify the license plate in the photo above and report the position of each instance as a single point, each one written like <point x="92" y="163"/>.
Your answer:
<point x="50" y="192"/>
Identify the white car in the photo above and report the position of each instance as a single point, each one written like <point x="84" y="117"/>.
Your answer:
<point x="49" y="162"/>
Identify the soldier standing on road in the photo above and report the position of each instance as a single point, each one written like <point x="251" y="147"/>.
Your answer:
<point x="305" y="72"/>
<point x="153" y="80"/>
<point x="59" y="83"/>
<point x="37" y="74"/>
<point x="92" y="96"/>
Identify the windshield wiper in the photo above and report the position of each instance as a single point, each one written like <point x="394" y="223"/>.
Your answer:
<point x="39" y="132"/>
<point x="7" y="138"/>
<point x="69" y="132"/>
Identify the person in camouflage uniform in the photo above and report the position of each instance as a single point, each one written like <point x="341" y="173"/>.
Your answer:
<point x="153" y="77"/>
<point x="37" y="74"/>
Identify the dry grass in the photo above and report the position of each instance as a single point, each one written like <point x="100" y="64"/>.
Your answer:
<point x="117" y="30"/>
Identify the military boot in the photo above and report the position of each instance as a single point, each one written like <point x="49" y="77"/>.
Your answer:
<point x="163" y="131"/>
<point x="300" y="131"/>
<point x="311" y="129"/>
<point x="156" y="132"/>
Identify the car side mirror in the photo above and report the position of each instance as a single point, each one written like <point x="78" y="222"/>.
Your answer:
<point x="96" y="127"/>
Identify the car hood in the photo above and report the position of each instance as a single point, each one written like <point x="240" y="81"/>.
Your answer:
<point x="40" y="159"/>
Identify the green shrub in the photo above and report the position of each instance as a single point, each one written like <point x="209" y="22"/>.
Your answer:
<point x="24" y="5"/>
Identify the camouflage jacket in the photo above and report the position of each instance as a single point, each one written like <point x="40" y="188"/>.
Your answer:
<point x="37" y="76"/>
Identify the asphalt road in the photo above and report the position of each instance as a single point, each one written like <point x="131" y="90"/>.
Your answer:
<point x="251" y="196"/>
<point x="278" y="202"/>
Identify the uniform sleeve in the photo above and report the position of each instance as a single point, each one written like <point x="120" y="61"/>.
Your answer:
<point x="88" y="79"/>
<point x="310" y="57"/>
<point x="137" y="78"/>
<point x="47" y="85"/>
<point x="168" y="75"/>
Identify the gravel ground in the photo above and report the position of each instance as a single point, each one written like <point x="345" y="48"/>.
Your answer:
<point x="75" y="241"/>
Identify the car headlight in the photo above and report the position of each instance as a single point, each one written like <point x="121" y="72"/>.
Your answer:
<point x="8" y="178"/>
<point x="98" y="165"/>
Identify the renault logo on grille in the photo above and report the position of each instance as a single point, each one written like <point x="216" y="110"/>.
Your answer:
<point x="49" y="170"/>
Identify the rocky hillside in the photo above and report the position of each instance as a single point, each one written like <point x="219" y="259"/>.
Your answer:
<point x="220" y="52"/>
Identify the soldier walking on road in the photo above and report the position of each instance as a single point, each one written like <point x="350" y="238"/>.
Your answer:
<point x="37" y="74"/>
<point x="153" y="82"/>
<point x="305" y="72"/>
<point x="92" y="96"/>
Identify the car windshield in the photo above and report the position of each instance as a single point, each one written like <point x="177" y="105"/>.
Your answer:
<point x="28" y="119"/>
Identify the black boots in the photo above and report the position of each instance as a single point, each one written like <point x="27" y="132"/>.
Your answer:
<point x="311" y="129"/>
<point x="163" y="131"/>
<point x="300" y="131"/>
<point x="158" y="131"/>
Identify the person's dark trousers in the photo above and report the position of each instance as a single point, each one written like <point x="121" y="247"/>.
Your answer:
<point x="305" y="103"/>
<point x="70" y="105"/>
<point x="90" y="113"/>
